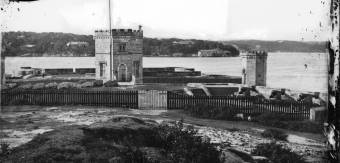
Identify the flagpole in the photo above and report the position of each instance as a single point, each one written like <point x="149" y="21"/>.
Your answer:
<point x="111" y="71"/>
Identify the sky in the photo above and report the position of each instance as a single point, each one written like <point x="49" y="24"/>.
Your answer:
<point x="300" y="20"/>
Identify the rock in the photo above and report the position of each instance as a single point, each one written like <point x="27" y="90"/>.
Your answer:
<point x="240" y="116"/>
<point x="106" y="141"/>
<point x="261" y="159"/>
<point x="28" y="76"/>
<point x="26" y="86"/>
<point x="98" y="83"/>
<point x="66" y="85"/>
<point x="232" y="158"/>
<point x="8" y="86"/>
<point x="4" y="87"/>
<point x="86" y="84"/>
<point x="243" y="155"/>
<point x="111" y="84"/>
<point x="38" y="86"/>
<point x="53" y="85"/>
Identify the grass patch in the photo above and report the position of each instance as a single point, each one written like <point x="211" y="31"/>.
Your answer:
<point x="282" y="121"/>
<point x="205" y="111"/>
<point x="277" y="153"/>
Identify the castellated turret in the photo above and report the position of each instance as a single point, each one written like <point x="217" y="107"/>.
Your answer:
<point x="126" y="59"/>
<point x="254" y="68"/>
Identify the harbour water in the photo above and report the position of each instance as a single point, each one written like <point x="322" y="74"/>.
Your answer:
<point x="284" y="70"/>
<point x="298" y="71"/>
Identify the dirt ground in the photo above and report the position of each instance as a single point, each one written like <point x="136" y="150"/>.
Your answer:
<point x="19" y="124"/>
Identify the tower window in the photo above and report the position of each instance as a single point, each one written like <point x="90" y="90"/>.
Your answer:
<point x="122" y="47"/>
<point x="101" y="69"/>
<point x="136" y="68"/>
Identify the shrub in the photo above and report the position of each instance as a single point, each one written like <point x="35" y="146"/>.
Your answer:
<point x="277" y="153"/>
<point x="274" y="134"/>
<point x="182" y="145"/>
<point x="111" y="84"/>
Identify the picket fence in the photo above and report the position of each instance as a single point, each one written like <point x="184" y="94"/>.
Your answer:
<point x="153" y="100"/>
<point x="239" y="104"/>
<point x="70" y="97"/>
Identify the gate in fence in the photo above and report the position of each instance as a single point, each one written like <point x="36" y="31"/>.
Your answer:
<point x="152" y="99"/>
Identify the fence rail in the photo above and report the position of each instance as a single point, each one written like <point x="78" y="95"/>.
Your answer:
<point x="245" y="105"/>
<point x="70" y="97"/>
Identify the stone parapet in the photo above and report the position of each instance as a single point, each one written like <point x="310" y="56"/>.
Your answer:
<point x="118" y="32"/>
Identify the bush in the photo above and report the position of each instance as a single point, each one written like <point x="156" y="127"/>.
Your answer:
<point x="182" y="145"/>
<point x="274" y="134"/>
<point x="111" y="84"/>
<point x="277" y="153"/>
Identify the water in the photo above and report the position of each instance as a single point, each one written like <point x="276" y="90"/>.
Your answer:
<point x="284" y="70"/>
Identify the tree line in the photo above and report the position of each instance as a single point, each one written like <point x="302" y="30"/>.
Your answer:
<point x="55" y="44"/>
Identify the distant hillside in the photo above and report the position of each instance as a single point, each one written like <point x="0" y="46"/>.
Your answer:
<point x="46" y="44"/>
<point x="185" y="48"/>
<point x="279" y="46"/>
<point x="67" y="44"/>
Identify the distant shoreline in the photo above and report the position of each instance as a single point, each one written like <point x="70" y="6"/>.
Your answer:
<point x="171" y="56"/>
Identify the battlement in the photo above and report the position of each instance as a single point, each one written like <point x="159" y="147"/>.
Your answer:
<point x="255" y="53"/>
<point x="118" y="32"/>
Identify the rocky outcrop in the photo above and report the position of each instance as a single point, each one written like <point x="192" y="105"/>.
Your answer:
<point x="120" y="139"/>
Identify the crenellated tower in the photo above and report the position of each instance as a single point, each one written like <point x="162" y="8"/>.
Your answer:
<point x="126" y="60"/>
<point x="254" y="68"/>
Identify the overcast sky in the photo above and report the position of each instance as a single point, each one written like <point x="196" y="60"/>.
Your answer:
<point x="200" y="19"/>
